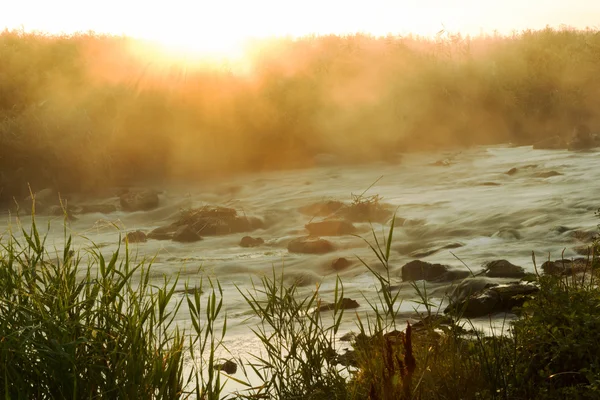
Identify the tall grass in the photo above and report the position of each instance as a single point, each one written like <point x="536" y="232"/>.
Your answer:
<point x="101" y="329"/>
<point x="85" y="111"/>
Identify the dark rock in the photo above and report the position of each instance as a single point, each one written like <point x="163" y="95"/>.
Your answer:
<point x="565" y="267"/>
<point x="348" y="337"/>
<point x="503" y="269"/>
<point x="307" y="245"/>
<point x="429" y="252"/>
<point x="135" y="237"/>
<point x="348" y="359"/>
<point x="512" y="171"/>
<point x="340" y="264"/>
<point x="492" y="300"/>
<point x="330" y="227"/>
<point x="211" y="220"/>
<point x="248" y="241"/>
<point x="229" y="367"/>
<point x="547" y="174"/>
<point x="98" y="208"/>
<point x="452" y="275"/>
<point x="139" y="200"/>
<point x="163" y="233"/>
<point x="322" y="209"/>
<point x="470" y="286"/>
<point x="346" y="304"/>
<point x="583" y="236"/>
<point x="489" y="184"/>
<point x="418" y="270"/>
<point x="186" y="234"/>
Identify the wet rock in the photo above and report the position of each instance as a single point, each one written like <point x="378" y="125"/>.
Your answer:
<point x="547" y="174"/>
<point x="431" y="251"/>
<point x="248" y="241"/>
<point x="489" y="184"/>
<point x="186" y="234"/>
<point x="348" y="359"/>
<point x="139" y="200"/>
<point x="492" y="300"/>
<point x="452" y="275"/>
<point x="229" y="367"/>
<point x="418" y="270"/>
<point x="346" y="304"/>
<point x="98" y="208"/>
<point x="551" y="143"/>
<point x="322" y="209"/>
<point x="308" y="245"/>
<point x="565" y="267"/>
<point x="135" y="237"/>
<point x="503" y="269"/>
<point x="348" y="337"/>
<point x="330" y="228"/>
<point x="511" y="171"/>
<point x="163" y="233"/>
<point x="470" y="286"/>
<point x="583" y="236"/>
<point x="584" y="250"/>
<point x="214" y="220"/>
<point x="508" y="234"/>
<point x="340" y="264"/>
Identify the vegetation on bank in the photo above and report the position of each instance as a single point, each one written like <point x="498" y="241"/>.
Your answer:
<point x="86" y="111"/>
<point x="105" y="330"/>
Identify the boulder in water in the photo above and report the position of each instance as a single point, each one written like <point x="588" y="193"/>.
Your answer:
<point x="186" y="234"/>
<point x="308" y="245"/>
<point x="418" y="270"/>
<point x="346" y="304"/>
<point x="566" y="267"/>
<point x="582" y="138"/>
<point x="248" y="241"/>
<point x="135" y="237"/>
<point x="511" y="171"/>
<point x="330" y="227"/>
<point x="492" y="300"/>
<point x="503" y="269"/>
<point x="139" y="200"/>
<point x="229" y="367"/>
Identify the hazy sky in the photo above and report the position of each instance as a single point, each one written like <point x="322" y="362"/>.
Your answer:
<point x="217" y="24"/>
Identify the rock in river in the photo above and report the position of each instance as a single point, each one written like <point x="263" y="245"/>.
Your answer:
<point x="418" y="270"/>
<point x="308" y="245"/>
<point x="248" y="241"/>
<point x="503" y="269"/>
<point x="492" y="300"/>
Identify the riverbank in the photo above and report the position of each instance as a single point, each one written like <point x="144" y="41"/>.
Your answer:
<point x="87" y="112"/>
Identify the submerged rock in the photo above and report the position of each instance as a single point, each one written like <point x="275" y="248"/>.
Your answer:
<point x="308" y="245"/>
<point x="330" y="228"/>
<point x="492" y="300"/>
<point x="186" y="234"/>
<point x="340" y="264"/>
<point x="508" y="234"/>
<point x="503" y="269"/>
<point x="162" y="233"/>
<point x="346" y="304"/>
<point x="135" y="237"/>
<point x="248" y="241"/>
<point x="547" y="174"/>
<point x="139" y="200"/>
<point x="511" y="171"/>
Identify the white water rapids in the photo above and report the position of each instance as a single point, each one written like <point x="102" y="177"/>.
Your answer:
<point x="454" y="204"/>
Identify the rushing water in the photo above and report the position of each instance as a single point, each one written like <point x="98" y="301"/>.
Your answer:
<point x="457" y="203"/>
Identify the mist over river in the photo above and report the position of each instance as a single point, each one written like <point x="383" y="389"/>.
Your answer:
<point x="468" y="200"/>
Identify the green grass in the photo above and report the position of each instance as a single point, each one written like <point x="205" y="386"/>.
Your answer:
<point x="83" y="112"/>
<point x="78" y="326"/>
